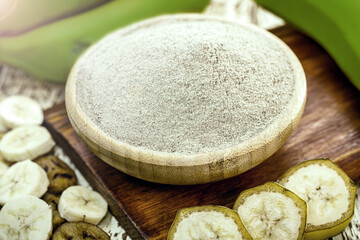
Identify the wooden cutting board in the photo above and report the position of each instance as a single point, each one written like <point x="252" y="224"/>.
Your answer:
<point x="330" y="127"/>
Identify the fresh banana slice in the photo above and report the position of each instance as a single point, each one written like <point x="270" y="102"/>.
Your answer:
<point x="18" y="111"/>
<point x="61" y="176"/>
<point x="329" y="193"/>
<point x="26" y="142"/>
<point x="25" y="218"/>
<point x="272" y="212"/>
<point x="23" y="178"/>
<point x="3" y="168"/>
<point x="53" y="200"/>
<point x="78" y="231"/>
<point x="207" y="222"/>
<point x="78" y="203"/>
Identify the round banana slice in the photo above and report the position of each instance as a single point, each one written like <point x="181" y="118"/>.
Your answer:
<point x="53" y="201"/>
<point x="23" y="178"/>
<point x="18" y="111"/>
<point x="78" y="231"/>
<point x="207" y="222"/>
<point x="329" y="193"/>
<point x="272" y="212"/>
<point x="61" y="176"/>
<point x="26" y="142"/>
<point x="78" y="203"/>
<point x="26" y="217"/>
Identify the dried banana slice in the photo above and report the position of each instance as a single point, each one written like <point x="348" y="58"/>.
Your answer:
<point x="207" y="222"/>
<point x="272" y="212"/>
<point x="78" y="231"/>
<point x="53" y="200"/>
<point x="329" y="193"/>
<point x="60" y="175"/>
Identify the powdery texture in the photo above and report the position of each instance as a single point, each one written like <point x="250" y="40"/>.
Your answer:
<point x="184" y="86"/>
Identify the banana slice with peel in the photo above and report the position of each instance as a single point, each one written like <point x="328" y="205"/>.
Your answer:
<point x="329" y="193"/>
<point x="78" y="203"/>
<point x="26" y="142"/>
<point x="272" y="212"/>
<point x="18" y="111"/>
<point x="79" y="230"/>
<point x="25" y="218"/>
<point x="23" y="178"/>
<point x="207" y="222"/>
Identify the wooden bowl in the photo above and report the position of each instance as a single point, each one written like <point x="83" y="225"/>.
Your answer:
<point x="183" y="168"/>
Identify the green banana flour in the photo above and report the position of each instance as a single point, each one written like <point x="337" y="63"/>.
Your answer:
<point x="184" y="86"/>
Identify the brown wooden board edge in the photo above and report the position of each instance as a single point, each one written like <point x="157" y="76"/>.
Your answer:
<point x="124" y="220"/>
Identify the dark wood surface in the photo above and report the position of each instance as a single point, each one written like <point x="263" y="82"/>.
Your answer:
<point x="330" y="127"/>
